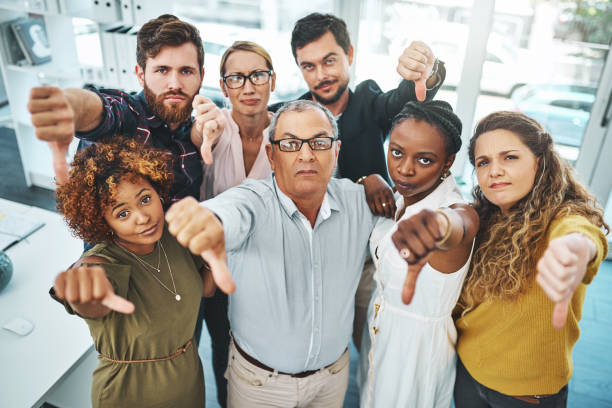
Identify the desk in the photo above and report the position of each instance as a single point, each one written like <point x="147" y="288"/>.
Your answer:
<point x="54" y="362"/>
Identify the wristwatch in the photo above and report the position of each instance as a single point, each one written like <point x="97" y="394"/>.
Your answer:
<point x="438" y="67"/>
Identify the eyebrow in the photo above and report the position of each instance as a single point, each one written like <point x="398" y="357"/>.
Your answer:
<point x="246" y="75"/>
<point x="398" y="147"/>
<point x="290" y="135"/>
<point x="333" y="53"/>
<point x="499" y="154"/>
<point x="122" y="204"/>
<point x="169" y="67"/>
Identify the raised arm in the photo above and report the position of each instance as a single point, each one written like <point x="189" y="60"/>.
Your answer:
<point x="88" y="291"/>
<point x="443" y="238"/>
<point x="418" y="63"/>
<point x="57" y="114"/>
<point x="197" y="228"/>
<point x="208" y="125"/>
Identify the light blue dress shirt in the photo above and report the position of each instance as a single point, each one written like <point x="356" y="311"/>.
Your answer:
<point x="295" y="289"/>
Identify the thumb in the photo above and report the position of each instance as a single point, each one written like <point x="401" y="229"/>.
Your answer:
<point x="197" y="100"/>
<point x="560" y="313"/>
<point x="420" y="88"/>
<point x="60" y="166"/>
<point x="206" y="150"/>
<point x="411" y="278"/>
<point x="217" y="260"/>
<point x="117" y="303"/>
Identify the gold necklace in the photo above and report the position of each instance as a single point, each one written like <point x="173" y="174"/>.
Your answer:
<point x="145" y="264"/>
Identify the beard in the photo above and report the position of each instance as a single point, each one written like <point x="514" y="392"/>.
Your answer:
<point x="335" y="97"/>
<point x="176" y="112"/>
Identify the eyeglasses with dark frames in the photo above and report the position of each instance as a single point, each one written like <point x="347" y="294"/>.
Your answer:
<point x="294" y="144"/>
<point x="235" y="81"/>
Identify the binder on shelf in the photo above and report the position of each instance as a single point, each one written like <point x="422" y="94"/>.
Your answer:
<point x="120" y="40"/>
<point x="146" y="10"/>
<point x="127" y="12"/>
<point x="108" y="11"/>
<point x="109" y="55"/>
<point x="11" y="50"/>
<point x="32" y="38"/>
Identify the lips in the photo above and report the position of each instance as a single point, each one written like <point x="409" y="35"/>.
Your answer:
<point x="306" y="172"/>
<point x="174" y="98"/>
<point x="149" y="231"/>
<point x="498" y="185"/>
<point x="250" y="102"/>
<point x="325" y="85"/>
<point x="404" y="186"/>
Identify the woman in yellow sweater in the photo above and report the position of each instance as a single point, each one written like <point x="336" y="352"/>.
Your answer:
<point x="539" y="244"/>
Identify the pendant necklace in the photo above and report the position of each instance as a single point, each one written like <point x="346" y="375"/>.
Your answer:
<point x="145" y="264"/>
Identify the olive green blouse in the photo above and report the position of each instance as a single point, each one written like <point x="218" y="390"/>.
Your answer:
<point x="159" y="326"/>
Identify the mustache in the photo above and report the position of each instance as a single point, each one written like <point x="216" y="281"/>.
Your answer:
<point x="325" y="83"/>
<point x="174" y="93"/>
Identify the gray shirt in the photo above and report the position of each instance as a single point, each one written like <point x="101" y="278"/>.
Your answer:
<point x="293" y="305"/>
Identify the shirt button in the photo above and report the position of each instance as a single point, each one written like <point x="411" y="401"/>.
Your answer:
<point x="316" y="298"/>
<point x="316" y="329"/>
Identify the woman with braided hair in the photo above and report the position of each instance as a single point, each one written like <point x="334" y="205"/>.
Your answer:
<point x="139" y="289"/>
<point x="408" y="353"/>
<point x="538" y="224"/>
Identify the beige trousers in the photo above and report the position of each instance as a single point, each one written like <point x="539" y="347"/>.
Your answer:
<point x="250" y="386"/>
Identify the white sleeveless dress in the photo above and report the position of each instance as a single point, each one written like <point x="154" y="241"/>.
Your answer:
<point x="408" y="355"/>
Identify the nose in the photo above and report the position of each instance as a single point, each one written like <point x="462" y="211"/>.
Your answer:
<point x="305" y="154"/>
<point x="248" y="87"/>
<point x="142" y="217"/>
<point x="321" y="73"/>
<point x="495" y="170"/>
<point x="174" y="81"/>
<point x="406" y="168"/>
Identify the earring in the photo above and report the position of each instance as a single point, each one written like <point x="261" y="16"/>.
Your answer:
<point x="445" y="175"/>
<point x="161" y="199"/>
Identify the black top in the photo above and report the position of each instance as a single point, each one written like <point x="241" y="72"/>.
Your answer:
<point x="365" y="124"/>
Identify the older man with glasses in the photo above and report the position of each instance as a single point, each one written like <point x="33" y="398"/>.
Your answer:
<point x="296" y="243"/>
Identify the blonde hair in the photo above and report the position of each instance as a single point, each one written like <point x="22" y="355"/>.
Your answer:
<point x="245" y="46"/>
<point x="508" y="246"/>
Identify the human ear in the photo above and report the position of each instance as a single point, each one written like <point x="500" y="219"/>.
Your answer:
<point x="270" y="154"/>
<point x="140" y="74"/>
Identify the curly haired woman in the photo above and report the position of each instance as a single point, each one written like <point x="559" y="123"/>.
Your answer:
<point x="139" y="289"/>
<point x="539" y="245"/>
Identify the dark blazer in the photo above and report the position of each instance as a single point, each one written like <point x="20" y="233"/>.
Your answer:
<point x="365" y="123"/>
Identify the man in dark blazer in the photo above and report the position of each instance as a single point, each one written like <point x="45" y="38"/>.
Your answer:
<point x="322" y="49"/>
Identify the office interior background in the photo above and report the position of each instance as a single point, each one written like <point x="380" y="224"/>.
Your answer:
<point x="547" y="59"/>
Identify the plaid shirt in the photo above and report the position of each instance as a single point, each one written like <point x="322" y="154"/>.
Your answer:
<point x="129" y="115"/>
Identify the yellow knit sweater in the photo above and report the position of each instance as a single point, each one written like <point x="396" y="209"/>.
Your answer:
<point x="512" y="347"/>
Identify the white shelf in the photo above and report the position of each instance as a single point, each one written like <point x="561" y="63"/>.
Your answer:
<point x="51" y="71"/>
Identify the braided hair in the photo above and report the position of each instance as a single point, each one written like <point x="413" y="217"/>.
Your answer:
<point x="437" y="113"/>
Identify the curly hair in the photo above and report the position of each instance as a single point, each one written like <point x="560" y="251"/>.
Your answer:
<point x="437" y="113"/>
<point x="95" y="175"/>
<point x="508" y="246"/>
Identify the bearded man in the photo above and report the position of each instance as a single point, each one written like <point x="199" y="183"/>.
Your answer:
<point x="170" y="68"/>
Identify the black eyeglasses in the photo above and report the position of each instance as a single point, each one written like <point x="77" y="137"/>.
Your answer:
<point x="235" y="81"/>
<point x="295" y="144"/>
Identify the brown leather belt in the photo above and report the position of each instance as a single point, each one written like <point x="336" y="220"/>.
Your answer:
<point x="256" y="363"/>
